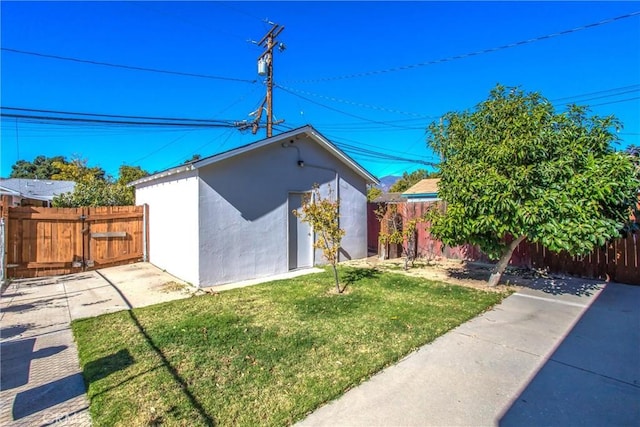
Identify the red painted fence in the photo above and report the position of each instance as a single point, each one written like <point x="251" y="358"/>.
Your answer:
<point x="618" y="261"/>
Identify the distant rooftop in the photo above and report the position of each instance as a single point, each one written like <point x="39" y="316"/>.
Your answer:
<point x="38" y="189"/>
<point x="424" y="187"/>
<point x="389" y="198"/>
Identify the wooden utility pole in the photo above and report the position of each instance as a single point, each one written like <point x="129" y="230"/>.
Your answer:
<point x="265" y="68"/>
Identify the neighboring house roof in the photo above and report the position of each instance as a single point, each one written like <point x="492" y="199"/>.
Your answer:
<point x="425" y="189"/>
<point x="37" y="189"/>
<point x="389" y="198"/>
<point x="307" y="130"/>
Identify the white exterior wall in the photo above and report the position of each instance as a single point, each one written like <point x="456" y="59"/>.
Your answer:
<point x="244" y="209"/>
<point x="173" y="223"/>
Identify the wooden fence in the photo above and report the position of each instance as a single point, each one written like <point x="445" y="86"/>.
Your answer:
<point x="618" y="261"/>
<point x="46" y="241"/>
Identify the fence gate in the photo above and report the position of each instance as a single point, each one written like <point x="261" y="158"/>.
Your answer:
<point x="47" y="241"/>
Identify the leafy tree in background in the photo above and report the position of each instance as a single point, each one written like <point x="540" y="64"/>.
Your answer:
<point x="42" y="167"/>
<point x="634" y="225"/>
<point x="373" y="193"/>
<point x="323" y="215"/>
<point x="77" y="170"/>
<point x="514" y="168"/>
<point x="408" y="180"/>
<point x="127" y="174"/>
<point x="94" y="192"/>
<point x="93" y="187"/>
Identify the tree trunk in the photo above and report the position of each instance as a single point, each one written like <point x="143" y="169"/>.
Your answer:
<point x="501" y="266"/>
<point x="335" y="276"/>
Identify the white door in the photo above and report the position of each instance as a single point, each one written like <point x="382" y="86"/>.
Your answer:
<point x="300" y="236"/>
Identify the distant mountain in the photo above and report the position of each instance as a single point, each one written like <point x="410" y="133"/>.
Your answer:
<point x="387" y="181"/>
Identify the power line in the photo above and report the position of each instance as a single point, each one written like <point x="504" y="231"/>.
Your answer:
<point x="370" y="155"/>
<point x="173" y="15"/>
<point x="340" y="111"/>
<point x="80" y="120"/>
<point x="470" y="54"/>
<point x="357" y="104"/>
<point x="633" y="87"/>
<point x="33" y="110"/>
<point x="127" y="67"/>
<point x="616" y="102"/>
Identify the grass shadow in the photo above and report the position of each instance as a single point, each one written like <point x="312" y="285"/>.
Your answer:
<point x="354" y="274"/>
<point x="184" y="387"/>
<point x="105" y="366"/>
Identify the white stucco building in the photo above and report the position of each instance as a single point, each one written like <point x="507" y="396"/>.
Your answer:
<point x="229" y="217"/>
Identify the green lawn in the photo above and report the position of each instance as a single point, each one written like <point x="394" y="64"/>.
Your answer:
<point x="262" y="355"/>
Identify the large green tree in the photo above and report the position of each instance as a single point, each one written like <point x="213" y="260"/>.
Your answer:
<point x="408" y="180"/>
<point x="514" y="168"/>
<point x="41" y="167"/>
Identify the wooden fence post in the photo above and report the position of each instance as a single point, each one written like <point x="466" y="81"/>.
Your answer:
<point x="145" y="232"/>
<point x="4" y="216"/>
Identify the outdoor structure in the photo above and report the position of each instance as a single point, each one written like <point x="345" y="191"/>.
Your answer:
<point x="229" y="217"/>
<point x="32" y="192"/>
<point x="425" y="190"/>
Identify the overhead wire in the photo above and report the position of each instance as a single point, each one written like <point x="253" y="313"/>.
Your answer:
<point x="629" y="88"/>
<point x="366" y="154"/>
<point x="144" y="5"/>
<point x="79" y="120"/>
<point x="340" y="111"/>
<point x="127" y="67"/>
<point x="120" y="116"/>
<point x="357" y="104"/>
<point x="616" y="102"/>
<point x="470" y="54"/>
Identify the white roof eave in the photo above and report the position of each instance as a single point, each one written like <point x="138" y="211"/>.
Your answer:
<point x="308" y="130"/>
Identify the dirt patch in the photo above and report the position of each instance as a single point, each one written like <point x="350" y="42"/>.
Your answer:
<point x="475" y="275"/>
<point x="173" y="287"/>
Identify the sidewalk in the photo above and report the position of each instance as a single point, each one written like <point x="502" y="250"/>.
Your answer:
<point x="41" y="380"/>
<point x="536" y="359"/>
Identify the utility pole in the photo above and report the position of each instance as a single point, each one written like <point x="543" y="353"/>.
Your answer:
<point x="265" y="68"/>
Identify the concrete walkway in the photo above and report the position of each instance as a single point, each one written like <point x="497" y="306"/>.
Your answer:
<point x="41" y="381"/>
<point x="540" y="358"/>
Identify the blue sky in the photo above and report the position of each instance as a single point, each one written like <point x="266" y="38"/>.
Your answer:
<point x="365" y="74"/>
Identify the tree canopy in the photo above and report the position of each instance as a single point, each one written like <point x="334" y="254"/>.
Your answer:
<point x="77" y="170"/>
<point x="408" y="180"/>
<point x="41" y="167"/>
<point x="127" y="174"/>
<point x="93" y="186"/>
<point x="94" y="192"/>
<point x="515" y="168"/>
<point x="373" y="192"/>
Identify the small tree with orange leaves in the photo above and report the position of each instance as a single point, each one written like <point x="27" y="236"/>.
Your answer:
<point x="323" y="215"/>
